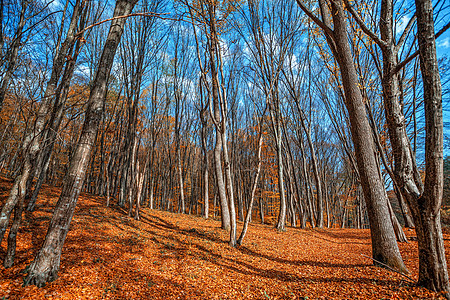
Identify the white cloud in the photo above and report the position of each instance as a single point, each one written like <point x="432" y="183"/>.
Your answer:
<point x="53" y="5"/>
<point x="444" y="43"/>
<point x="401" y="25"/>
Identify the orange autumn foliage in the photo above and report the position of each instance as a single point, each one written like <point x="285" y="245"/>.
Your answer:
<point x="171" y="256"/>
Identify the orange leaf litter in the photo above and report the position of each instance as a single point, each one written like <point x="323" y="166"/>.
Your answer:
<point x="108" y="255"/>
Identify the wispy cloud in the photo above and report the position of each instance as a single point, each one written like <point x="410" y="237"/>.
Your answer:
<point x="444" y="43"/>
<point x="401" y="25"/>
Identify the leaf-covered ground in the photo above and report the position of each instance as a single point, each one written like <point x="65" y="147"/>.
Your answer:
<point x="171" y="256"/>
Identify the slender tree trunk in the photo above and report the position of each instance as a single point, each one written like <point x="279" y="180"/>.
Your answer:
<point x="206" y="190"/>
<point x="180" y="181"/>
<point x="12" y="237"/>
<point x="225" y="212"/>
<point x="409" y="223"/>
<point x="307" y="186"/>
<point x="230" y="190"/>
<point x="205" y="163"/>
<point x="318" y="181"/>
<point x="399" y="234"/>
<point x="248" y="216"/>
<point x="31" y="146"/>
<point x="13" y="52"/>
<point x="132" y="175"/>
<point x="281" y="224"/>
<point x="45" y="266"/>
<point x="140" y="176"/>
<point x="55" y="121"/>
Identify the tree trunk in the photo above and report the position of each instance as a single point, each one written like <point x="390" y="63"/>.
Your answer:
<point x="384" y="244"/>
<point x="409" y="223"/>
<point x="31" y="146"/>
<point x="205" y="162"/>
<point x="230" y="190"/>
<point x="45" y="266"/>
<point x="248" y="216"/>
<point x="433" y="272"/>
<point x="307" y="186"/>
<point x="281" y="224"/>
<point x="51" y="132"/>
<point x="399" y="234"/>
<point x="12" y="237"/>
<point x="213" y="40"/>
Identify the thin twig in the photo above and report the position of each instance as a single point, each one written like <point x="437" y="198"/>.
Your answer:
<point x="403" y="274"/>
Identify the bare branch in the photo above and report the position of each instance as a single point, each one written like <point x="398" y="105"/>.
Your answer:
<point x="315" y="19"/>
<point x="402" y="64"/>
<point x="405" y="33"/>
<point x="363" y="26"/>
<point x="146" y="14"/>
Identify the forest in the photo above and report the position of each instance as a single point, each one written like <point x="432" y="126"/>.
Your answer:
<point x="224" y="149"/>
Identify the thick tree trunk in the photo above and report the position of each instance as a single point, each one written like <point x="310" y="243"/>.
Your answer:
<point x="45" y="266"/>
<point x="384" y="244"/>
<point x="433" y="272"/>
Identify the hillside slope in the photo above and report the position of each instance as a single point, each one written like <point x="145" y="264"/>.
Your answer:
<point x="108" y="255"/>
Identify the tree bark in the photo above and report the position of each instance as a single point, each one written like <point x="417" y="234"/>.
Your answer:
<point x="248" y="216"/>
<point x="384" y="244"/>
<point x="213" y="40"/>
<point x="433" y="272"/>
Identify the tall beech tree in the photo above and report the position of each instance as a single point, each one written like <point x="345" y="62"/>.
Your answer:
<point x="433" y="272"/>
<point x="384" y="244"/>
<point x="46" y="264"/>
<point x="424" y="199"/>
<point x="206" y="12"/>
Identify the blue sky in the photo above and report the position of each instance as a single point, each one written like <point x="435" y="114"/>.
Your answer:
<point x="443" y="50"/>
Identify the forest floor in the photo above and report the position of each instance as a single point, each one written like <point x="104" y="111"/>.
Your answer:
<point x="108" y="255"/>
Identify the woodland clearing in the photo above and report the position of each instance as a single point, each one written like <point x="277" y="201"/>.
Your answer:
<point x="108" y="255"/>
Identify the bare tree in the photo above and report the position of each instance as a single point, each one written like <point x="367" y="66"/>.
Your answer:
<point x="423" y="199"/>
<point x="45" y="266"/>
<point x="384" y="244"/>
